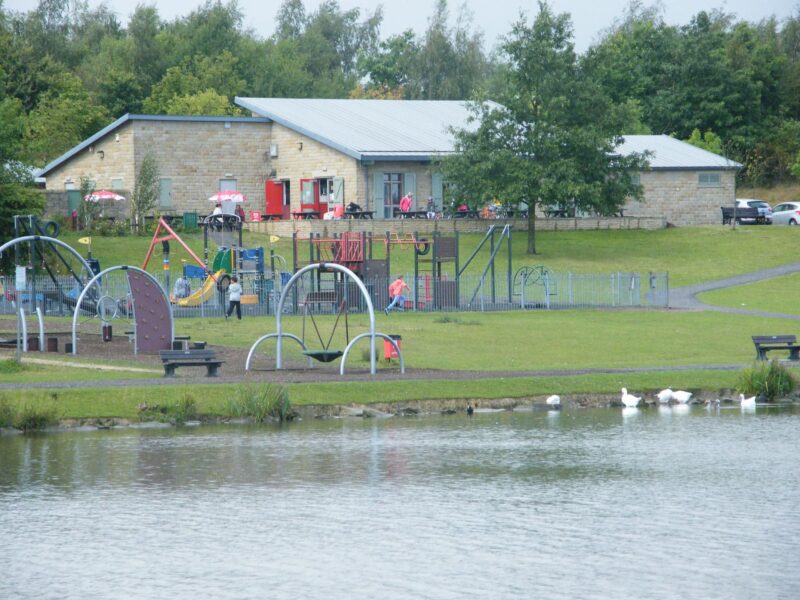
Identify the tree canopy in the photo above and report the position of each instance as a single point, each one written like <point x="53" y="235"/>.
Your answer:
<point x="73" y="69"/>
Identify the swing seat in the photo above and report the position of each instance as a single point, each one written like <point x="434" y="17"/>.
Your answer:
<point x="325" y="356"/>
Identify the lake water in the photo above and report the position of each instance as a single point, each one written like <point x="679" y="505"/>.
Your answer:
<point x="577" y="504"/>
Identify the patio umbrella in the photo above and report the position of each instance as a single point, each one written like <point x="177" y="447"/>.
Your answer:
<point x="229" y="196"/>
<point x="100" y="195"/>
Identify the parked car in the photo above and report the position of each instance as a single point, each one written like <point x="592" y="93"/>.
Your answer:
<point x="763" y="209"/>
<point x="786" y="213"/>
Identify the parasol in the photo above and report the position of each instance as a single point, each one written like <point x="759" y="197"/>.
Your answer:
<point x="228" y="196"/>
<point x="99" y="195"/>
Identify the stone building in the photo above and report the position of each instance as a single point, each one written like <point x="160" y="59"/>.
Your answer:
<point x="301" y="156"/>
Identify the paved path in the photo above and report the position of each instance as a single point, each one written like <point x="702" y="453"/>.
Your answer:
<point x="686" y="297"/>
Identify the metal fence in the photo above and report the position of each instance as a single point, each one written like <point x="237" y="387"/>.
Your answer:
<point x="536" y="289"/>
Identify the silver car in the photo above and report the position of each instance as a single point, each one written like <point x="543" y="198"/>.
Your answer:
<point x="786" y="213"/>
<point x="764" y="211"/>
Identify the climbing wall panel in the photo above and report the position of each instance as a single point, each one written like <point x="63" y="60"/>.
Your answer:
<point x="152" y="314"/>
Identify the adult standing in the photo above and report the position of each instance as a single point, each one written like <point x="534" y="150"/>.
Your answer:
<point x="234" y="298"/>
<point x="406" y="202"/>
<point x="396" y="294"/>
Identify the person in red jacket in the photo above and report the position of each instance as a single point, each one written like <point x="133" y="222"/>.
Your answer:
<point x="396" y="294"/>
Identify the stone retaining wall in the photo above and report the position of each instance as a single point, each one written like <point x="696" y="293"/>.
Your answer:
<point x="449" y="226"/>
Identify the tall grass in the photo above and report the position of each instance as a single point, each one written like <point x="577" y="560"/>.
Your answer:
<point x="768" y="380"/>
<point x="267" y="402"/>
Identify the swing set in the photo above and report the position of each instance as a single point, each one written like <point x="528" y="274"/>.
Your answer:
<point x="325" y="355"/>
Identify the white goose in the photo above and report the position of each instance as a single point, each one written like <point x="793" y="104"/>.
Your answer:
<point x="629" y="400"/>
<point x="747" y="402"/>
<point x="664" y="396"/>
<point x="553" y="401"/>
<point x="681" y="396"/>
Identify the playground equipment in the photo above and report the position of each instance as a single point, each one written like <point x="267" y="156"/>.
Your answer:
<point x="205" y="293"/>
<point x="24" y="288"/>
<point x="318" y="298"/>
<point x="149" y="308"/>
<point x="280" y="335"/>
<point x="66" y="272"/>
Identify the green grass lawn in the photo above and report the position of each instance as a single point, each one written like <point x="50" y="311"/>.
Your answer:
<point x="779" y="295"/>
<point x="524" y="340"/>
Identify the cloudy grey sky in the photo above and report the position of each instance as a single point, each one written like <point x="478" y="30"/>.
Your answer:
<point x="493" y="17"/>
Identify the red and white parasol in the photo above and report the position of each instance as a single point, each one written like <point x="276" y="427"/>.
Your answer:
<point x="100" y="195"/>
<point x="229" y="196"/>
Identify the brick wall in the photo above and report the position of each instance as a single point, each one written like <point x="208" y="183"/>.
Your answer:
<point x="677" y="197"/>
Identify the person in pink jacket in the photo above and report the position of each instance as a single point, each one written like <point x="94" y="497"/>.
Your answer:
<point x="396" y="294"/>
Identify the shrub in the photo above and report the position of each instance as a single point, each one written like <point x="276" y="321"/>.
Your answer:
<point x="10" y="366"/>
<point x="768" y="380"/>
<point x="6" y="413"/>
<point x="36" y="418"/>
<point x="260" y="402"/>
<point x="183" y="410"/>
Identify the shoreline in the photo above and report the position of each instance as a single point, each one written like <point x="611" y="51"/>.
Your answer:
<point x="413" y="408"/>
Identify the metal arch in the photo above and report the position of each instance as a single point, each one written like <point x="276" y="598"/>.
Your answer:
<point x="44" y="238"/>
<point x="95" y="279"/>
<point x="377" y="334"/>
<point x="272" y="335"/>
<point x="340" y="269"/>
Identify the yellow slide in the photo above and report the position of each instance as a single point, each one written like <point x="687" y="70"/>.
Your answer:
<point x="203" y="294"/>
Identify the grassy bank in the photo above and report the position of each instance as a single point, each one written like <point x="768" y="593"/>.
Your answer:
<point x="690" y="254"/>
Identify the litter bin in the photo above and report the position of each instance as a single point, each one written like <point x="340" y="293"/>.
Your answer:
<point x="107" y="334"/>
<point x="255" y="215"/>
<point x="389" y="351"/>
<point x="190" y="220"/>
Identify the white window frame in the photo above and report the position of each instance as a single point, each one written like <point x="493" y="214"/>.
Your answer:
<point x="709" y="179"/>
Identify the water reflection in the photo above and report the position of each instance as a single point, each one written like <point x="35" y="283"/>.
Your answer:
<point x="503" y="505"/>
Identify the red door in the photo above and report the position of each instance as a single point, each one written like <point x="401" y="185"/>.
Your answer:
<point x="273" y="206"/>
<point x="309" y="195"/>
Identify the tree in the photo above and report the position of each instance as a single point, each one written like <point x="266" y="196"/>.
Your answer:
<point x="64" y="116"/>
<point x="550" y="142"/>
<point x="146" y="192"/>
<point x="17" y="195"/>
<point x="208" y="103"/>
<point x="707" y="141"/>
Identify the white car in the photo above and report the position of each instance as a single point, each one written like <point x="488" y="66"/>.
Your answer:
<point x="763" y="209"/>
<point x="786" y="213"/>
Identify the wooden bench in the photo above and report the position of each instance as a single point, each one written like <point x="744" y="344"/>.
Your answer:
<point x="765" y="343"/>
<point x="190" y="358"/>
<point x="741" y="213"/>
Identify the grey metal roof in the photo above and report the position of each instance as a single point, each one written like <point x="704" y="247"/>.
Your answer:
<point x="370" y="129"/>
<point x="129" y="117"/>
<point x="669" y="153"/>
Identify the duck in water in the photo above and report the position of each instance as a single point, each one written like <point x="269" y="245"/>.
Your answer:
<point x="470" y="410"/>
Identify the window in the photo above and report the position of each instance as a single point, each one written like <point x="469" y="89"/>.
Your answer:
<point x="392" y="192"/>
<point x="636" y="179"/>
<point x="165" y="193"/>
<point x="227" y="185"/>
<point x="709" y="180"/>
<point x="116" y="184"/>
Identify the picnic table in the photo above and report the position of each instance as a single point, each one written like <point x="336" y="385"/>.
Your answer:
<point x="359" y="214"/>
<point x="307" y="213"/>
<point x="409" y="214"/>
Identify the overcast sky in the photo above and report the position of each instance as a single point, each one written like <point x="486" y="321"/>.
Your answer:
<point x="493" y="17"/>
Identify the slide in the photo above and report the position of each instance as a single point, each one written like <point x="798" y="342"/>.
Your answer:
<point x="207" y="291"/>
